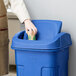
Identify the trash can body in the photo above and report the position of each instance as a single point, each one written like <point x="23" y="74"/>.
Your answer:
<point x="31" y="63"/>
<point x="42" y="57"/>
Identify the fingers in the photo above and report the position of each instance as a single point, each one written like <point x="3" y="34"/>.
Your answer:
<point x="30" y="28"/>
<point x="31" y="31"/>
<point x="35" y="30"/>
<point x="28" y="31"/>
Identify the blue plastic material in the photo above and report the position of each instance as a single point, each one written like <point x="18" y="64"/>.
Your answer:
<point x="46" y="56"/>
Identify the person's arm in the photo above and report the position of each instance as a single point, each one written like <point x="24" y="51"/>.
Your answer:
<point x="19" y="8"/>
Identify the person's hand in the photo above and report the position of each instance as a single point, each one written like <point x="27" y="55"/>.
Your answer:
<point x="29" y="26"/>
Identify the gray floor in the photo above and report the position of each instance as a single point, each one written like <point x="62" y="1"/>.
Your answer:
<point x="10" y="74"/>
<point x="12" y="71"/>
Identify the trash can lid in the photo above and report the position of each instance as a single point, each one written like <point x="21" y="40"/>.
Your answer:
<point x="48" y="45"/>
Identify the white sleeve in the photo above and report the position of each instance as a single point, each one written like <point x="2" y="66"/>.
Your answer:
<point x="19" y="8"/>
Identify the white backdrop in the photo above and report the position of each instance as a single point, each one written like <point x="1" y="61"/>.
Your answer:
<point x="64" y="10"/>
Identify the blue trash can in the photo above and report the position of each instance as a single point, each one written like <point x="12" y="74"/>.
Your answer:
<point x="46" y="56"/>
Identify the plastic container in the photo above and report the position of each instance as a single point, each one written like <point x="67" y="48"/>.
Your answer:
<point x="46" y="56"/>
